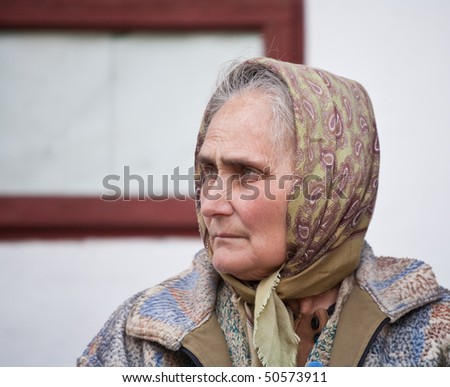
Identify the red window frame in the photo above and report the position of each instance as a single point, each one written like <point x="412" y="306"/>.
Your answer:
<point x="280" y="23"/>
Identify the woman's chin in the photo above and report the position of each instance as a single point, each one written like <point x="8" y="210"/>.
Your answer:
<point x="228" y="262"/>
<point x="236" y="269"/>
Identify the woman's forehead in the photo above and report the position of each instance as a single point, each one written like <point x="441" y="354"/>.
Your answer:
<point x="240" y="131"/>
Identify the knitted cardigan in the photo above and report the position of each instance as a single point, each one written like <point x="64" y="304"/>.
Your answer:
<point x="149" y="328"/>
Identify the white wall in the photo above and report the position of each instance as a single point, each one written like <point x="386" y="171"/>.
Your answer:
<point x="55" y="296"/>
<point x="399" y="51"/>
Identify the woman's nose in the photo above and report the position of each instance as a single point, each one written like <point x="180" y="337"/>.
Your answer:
<point x="216" y="199"/>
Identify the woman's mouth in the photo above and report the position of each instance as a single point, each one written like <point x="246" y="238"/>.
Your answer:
<point x="224" y="235"/>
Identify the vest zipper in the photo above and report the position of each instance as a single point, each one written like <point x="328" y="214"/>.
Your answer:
<point x="372" y="339"/>
<point x="191" y="356"/>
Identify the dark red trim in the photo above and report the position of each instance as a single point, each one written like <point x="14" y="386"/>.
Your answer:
<point x="46" y="216"/>
<point x="279" y="21"/>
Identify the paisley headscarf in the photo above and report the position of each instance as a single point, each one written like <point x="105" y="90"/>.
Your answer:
<point x="331" y="204"/>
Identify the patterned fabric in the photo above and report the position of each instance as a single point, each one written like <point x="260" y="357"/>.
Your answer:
<point x="321" y="351"/>
<point x="418" y="334"/>
<point x="337" y="163"/>
<point x="308" y="327"/>
<point x="227" y="312"/>
<point x="331" y="204"/>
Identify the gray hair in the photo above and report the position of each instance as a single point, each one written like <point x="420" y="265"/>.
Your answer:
<point x="248" y="76"/>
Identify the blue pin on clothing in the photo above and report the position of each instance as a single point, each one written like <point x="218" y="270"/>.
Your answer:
<point x="314" y="363"/>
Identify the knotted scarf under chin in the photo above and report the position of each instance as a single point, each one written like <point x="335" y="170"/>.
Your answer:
<point x="273" y="338"/>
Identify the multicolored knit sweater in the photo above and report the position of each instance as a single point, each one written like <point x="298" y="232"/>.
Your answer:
<point x="403" y="319"/>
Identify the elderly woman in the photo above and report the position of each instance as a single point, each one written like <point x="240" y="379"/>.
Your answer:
<point x="287" y="161"/>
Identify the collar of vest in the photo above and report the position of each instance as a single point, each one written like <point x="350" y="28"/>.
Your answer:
<point x="359" y="323"/>
<point x="361" y="320"/>
<point x="207" y="345"/>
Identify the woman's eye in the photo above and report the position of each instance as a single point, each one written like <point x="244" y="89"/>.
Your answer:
<point x="250" y="174"/>
<point x="208" y="174"/>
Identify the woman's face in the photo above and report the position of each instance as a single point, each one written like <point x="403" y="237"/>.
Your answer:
<point x="243" y="200"/>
